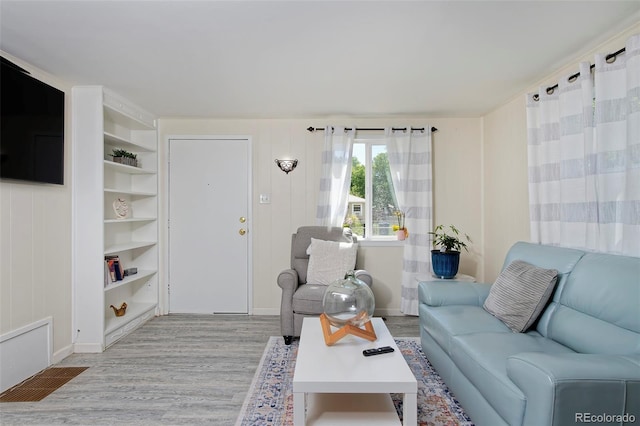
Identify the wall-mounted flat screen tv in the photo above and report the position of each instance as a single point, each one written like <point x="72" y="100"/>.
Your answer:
<point x="32" y="127"/>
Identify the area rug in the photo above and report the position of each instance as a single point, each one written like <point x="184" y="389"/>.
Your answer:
<point x="270" y="398"/>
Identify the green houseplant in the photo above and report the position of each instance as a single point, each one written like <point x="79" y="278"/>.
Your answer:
<point x="125" y="157"/>
<point x="447" y="243"/>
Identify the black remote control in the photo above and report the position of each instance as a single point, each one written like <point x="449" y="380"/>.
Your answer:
<point x="377" y="351"/>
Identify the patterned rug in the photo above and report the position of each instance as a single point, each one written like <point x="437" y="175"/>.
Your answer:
<point x="270" y="397"/>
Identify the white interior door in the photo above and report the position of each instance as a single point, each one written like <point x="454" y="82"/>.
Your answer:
<point x="209" y="225"/>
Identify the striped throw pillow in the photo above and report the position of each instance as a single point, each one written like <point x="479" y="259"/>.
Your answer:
<point x="520" y="294"/>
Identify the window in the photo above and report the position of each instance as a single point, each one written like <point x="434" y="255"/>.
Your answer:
<point x="372" y="200"/>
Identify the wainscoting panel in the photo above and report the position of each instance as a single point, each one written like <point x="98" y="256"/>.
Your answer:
<point x="25" y="351"/>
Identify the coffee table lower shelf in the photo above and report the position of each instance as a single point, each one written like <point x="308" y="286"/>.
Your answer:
<point x="353" y="409"/>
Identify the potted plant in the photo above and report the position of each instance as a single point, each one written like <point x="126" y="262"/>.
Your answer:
<point x="446" y="257"/>
<point x="400" y="230"/>
<point x="123" y="156"/>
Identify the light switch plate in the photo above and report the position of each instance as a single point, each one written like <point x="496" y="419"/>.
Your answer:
<point x="265" y="199"/>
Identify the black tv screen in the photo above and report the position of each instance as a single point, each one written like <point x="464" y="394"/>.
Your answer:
<point x="32" y="127"/>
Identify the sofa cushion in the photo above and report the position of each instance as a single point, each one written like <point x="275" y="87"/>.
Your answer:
<point x="308" y="299"/>
<point x="330" y="260"/>
<point x="520" y="293"/>
<point x="482" y="358"/>
<point x="445" y="322"/>
<point x="600" y="298"/>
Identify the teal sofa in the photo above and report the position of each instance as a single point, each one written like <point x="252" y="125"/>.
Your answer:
<point x="579" y="363"/>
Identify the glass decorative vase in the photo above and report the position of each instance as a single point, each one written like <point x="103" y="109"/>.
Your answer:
<point x="348" y="301"/>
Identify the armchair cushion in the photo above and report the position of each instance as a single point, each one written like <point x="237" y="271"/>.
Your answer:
<point x="330" y="260"/>
<point x="307" y="300"/>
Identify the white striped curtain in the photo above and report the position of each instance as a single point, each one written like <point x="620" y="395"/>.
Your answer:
<point x="410" y="165"/>
<point x="335" y="177"/>
<point x="584" y="158"/>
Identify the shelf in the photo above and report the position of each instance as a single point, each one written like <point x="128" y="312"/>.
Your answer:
<point x="134" y="310"/>
<point x="128" y="246"/>
<point x="126" y="116"/>
<point x="141" y="275"/>
<point x="123" y="168"/>
<point x="130" y="220"/>
<point x="128" y="192"/>
<point x="111" y="139"/>
<point x="105" y="121"/>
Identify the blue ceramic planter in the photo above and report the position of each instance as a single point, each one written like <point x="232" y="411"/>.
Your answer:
<point x="445" y="264"/>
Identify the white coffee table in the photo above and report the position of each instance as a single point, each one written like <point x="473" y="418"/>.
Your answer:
<point x="322" y="372"/>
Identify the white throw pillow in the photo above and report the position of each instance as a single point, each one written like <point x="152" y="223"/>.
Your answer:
<point x="330" y="260"/>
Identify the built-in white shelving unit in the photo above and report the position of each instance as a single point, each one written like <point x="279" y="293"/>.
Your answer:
<point x="102" y="122"/>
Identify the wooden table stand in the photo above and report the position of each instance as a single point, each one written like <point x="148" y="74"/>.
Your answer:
<point x="331" y="338"/>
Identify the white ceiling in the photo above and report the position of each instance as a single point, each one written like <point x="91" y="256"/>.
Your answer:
<point x="309" y="58"/>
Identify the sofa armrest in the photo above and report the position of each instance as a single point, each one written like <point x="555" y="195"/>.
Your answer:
<point x="288" y="280"/>
<point x="441" y="293"/>
<point x="569" y="388"/>
<point x="364" y="276"/>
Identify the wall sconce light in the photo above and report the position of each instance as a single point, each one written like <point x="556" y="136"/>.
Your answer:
<point x="287" y="165"/>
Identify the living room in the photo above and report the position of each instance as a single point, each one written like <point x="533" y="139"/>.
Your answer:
<point x="480" y="185"/>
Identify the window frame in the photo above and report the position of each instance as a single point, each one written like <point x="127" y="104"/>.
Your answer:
<point x="369" y="142"/>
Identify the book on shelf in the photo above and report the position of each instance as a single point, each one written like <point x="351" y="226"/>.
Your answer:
<point x="107" y="274"/>
<point x="116" y="269"/>
<point x="112" y="271"/>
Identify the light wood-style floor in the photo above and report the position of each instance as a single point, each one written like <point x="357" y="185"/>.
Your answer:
<point x="176" y="369"/>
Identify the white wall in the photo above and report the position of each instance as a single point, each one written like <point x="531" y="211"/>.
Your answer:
<point x="506" y="196"/>
<point x="480" y="185"/>
<point x="35" y="245"/>
<point x="457" y="185"/>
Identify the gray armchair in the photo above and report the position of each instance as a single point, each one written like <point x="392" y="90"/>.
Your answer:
<point x="300" y="299"/>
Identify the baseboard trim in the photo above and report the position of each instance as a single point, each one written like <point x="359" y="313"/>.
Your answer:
<point x="266" y="311"/>
<point x="385" y="312"/>
<point x="62" y="354"/>
<point x="87" y="348"/>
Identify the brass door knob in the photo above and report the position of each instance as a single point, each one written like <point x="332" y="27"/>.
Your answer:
<point x="243" y="219"/>
<point x="242" y="231"/>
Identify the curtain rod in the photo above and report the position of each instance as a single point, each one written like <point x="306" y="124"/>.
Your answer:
<point x="571" y="78"/>
<point x="375" y="129"/>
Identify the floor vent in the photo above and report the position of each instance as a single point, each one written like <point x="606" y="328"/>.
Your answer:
<point x="41" y="385"/>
